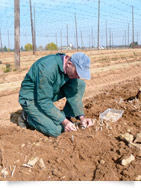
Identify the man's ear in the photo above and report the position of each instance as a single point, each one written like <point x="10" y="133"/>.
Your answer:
<point x="69" y="63"/>
<point x="67" y="56"/>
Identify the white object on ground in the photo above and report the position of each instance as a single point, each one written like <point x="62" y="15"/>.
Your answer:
<point x="127" y="161"/>
<point x="111" y="115"/>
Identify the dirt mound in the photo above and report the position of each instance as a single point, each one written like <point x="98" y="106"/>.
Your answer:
<point x="90" y="154"/>
<point x="106" y="151"/>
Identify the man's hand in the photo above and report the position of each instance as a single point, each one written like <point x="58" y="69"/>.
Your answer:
<point x="86" y="122"/>
<point x="69" y="126"/>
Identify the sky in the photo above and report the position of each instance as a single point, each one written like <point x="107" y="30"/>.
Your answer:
<point x="53" y="17"/>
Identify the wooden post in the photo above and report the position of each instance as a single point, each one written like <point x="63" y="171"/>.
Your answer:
<point x="132" y="27"/>
<point x="67" y="37"/>
<point x="34" y="31"/>
<point x="98" y="24"/>
<point x="92" y="37"/>
<point x="81" y="39"/>
<point x="109" y="38"/>
<point x="128" y="34"/>
<point x="17" y="33"/>
<point x="32" y="28"/>
<point x="137" y="37"/>
<point x="61" y="39"/>
<point x="112" y="41"/>
<point x="56" y="42"/>
<point x="106" y="36"/>
<point x="1" y="41"/>
<point x="8" y="40"/>
<point x="76" y="33"/>
<point x="125" y="38"/>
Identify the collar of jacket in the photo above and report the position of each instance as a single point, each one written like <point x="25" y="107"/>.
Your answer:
<point x="59" y="60"/>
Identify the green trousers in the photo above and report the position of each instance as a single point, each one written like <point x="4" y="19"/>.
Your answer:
<point x="38" y="120"/>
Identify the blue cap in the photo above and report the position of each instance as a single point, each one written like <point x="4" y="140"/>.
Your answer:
<point x="82" y="63"/>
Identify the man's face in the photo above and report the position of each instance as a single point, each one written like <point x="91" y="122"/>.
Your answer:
<point x="71" y="70"/>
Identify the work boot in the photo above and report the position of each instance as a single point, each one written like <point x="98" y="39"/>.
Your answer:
<point x="22" y="120"/>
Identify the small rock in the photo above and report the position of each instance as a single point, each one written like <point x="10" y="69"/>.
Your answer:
<point x="42" y="164"/>
<point x="135" y="145"/>
<point x="63" y="177"/>
<point x="22" y="145"/>
<point x="127" y="137"/>
<point x="127" y="161"/>
<point x="129" y="131"/>
<point x="31" y="162"/>
<point x="102" y="162"/>
<point x="137" y="138"/>
<point x="72" y="138"/>
<point x="37" y="144"/>
<point x="138" y="178"/>
<point x="4" y="172"/>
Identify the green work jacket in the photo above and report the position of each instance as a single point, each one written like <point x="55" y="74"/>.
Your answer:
<point x="43" y="81"/>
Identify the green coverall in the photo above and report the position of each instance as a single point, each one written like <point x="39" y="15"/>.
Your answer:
<point x="44" y="84"/>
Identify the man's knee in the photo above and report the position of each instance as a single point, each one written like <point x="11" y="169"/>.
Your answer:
<point x="47" y="128"/>
<point x="54" y="134"/>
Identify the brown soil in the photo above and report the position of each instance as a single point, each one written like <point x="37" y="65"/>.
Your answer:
<point x="93" y="154"/>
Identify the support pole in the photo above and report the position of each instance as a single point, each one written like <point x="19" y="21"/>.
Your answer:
<point x="128" y="34"/>
<point x="17" y="33"/>
<point x="92" y="37"/>
<point x="125" y="38"/>
<point x="56" y="42"/>
<point x="67" y="38"/>
<point x="1" y="41"/>
<point x="32" y="28"/>
<point x="98" y="24"/>
<point x="109" y="38"/>
<point x="132" y="27"/>
<point x="8" y="40"/>
<point x="61" y="39"/>
<point x="106" y="36"/>
<point x="76" y="33"/>
<point x="34" y="31"/>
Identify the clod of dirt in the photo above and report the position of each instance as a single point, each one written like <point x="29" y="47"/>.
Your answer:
<point x="128" y="160"/>
<point x="72" y="138"/>
<point x="31" y="162"/>
<point x="137" y="138"/>
<point x="137" y="96"/>
<point x="102" y="162"/>
<point x="127" y="137"/>
<point x="4" y="172"/>
<point x="81" y="125"/>
<point x="131" y="140"/>
<point x="23" y="145"/>
<point x="135" y="145"/>
<point x="138" y="178"/>
<point x="41" y="164"/>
